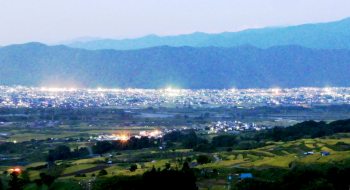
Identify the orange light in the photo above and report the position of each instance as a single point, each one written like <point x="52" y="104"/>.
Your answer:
<point x="122" y="137"/>
<point x="17" y="170"/>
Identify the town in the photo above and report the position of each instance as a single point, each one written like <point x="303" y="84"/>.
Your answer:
<point x="19" y="96"/>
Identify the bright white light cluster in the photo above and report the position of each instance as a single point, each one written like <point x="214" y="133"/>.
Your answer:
<point x="20" y="96"/>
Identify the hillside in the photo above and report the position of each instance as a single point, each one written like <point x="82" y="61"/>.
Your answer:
<point x="186" y="67"/>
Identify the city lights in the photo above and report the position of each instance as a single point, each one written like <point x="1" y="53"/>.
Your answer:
<point x="19" y="96"/>
<point x="114" y="137"/>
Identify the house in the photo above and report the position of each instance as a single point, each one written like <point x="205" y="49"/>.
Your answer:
<point x="325" y="153"/>
<point x="308" y="153"/>
<point x="245" y="176"/>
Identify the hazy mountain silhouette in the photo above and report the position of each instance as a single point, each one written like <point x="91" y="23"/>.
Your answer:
<point x="185" y="67"/>
<point x="332" y="35"/>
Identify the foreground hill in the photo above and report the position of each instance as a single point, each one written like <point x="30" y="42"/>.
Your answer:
<point x="332" y="35"/>
<point x="185" y="67"/>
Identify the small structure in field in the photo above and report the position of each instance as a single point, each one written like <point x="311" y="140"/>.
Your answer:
<point x="325" y="153"/>
<point x="243" y="176"/>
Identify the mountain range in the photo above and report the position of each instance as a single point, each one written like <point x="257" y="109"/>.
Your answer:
<point x="332" y="35"/>
<point x="36" y="64"/>
<point x="295" y="56"/>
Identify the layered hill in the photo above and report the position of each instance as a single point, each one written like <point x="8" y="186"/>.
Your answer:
<point x="36" y="64"/>
<point x="332" y="35"/>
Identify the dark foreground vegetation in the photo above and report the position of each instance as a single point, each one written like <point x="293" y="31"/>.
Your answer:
<point x="155" y="179"/>
<point x="304" y="177"/>
<point x="168" y="178"/>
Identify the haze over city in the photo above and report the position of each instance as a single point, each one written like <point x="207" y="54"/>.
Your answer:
<point x="55" y="22"/>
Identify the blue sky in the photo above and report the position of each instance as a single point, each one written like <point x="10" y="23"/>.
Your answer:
<point x="52" y="21"/>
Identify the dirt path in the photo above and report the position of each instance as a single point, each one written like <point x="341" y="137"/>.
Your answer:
<point x="89" y="170"/>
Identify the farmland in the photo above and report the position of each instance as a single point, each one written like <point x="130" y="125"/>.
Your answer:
<point x="76" y="155"/>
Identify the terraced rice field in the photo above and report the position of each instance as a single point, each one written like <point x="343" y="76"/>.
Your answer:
<point x="283" y="154"/>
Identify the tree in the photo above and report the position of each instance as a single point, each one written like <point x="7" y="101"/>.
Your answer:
<point x="46" y="179"/>
<point x="133" y="167"/>
<point x="25" y="176"/>
<point x="15" y="183"/>
<point x="224" y="141"/>
<point x="1" y="185"/>
<point x="203" y="159"/>
<point x="61" y="152"/>
<point x="185" y="167"/>
<point x="102" y="147"/>
<point x="38" y="183"/>
<point x="80" y="152"/>
<point x="170" y="179"/>
<point x="167" y="166"/>
<point x="102" y="172"/>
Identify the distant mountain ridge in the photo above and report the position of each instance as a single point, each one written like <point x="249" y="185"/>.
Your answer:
<point x="36" y="64"/>
<point x="332" y="35"/>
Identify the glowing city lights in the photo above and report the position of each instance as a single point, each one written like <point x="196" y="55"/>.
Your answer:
<point x="114" y="137"/>
<point x="125" y="136"/>
<point x="172" y="92"/>
<point x="19" y="96"/>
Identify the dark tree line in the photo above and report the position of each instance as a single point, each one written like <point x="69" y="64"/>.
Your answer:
<point x="10" y="148"/>
<point x="18" y="181"/>
<point x="251" y="140"/>
<point x="188" y="138"/>
<point x="312" y="177"/>
<point x="63" y="152"/>
<point x="224" y="141"/>
<point x="168" y="178"/>
<point x="132" y="144"/>
<point x="307" y="129"/>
